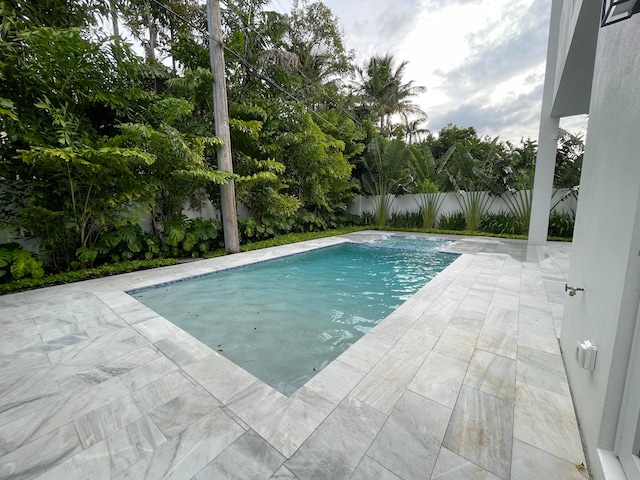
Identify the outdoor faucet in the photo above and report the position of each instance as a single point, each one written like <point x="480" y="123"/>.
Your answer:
<point x="572" y="290"/>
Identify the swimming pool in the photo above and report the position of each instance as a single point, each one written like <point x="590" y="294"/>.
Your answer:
<point x="283" y="320"/>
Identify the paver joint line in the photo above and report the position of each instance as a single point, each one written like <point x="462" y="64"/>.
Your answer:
<point x="472" y="385"/>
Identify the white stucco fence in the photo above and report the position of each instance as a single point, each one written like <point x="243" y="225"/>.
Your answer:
<point x="409" y="203"/>
<point x="359" y="205"/>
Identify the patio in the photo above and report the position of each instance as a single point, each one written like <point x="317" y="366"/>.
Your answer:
<point x="463" y="381"/>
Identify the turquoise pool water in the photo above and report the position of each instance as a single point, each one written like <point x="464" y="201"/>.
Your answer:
<point x="284" y="320"/>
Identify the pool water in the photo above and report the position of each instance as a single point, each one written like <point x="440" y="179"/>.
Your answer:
<point x="283" y="320"/>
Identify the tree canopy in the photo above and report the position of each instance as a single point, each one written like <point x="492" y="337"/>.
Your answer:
<point x="385" y="90"/>
<point x="96" y="139"/>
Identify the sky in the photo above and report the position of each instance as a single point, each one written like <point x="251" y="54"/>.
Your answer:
<point x="482" y="61"/>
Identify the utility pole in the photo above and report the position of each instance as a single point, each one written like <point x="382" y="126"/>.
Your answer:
<point x="221" y="114"/>
<point x="114" y="21"/>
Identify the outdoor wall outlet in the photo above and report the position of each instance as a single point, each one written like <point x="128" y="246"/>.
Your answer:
<point x="586" y="353"/>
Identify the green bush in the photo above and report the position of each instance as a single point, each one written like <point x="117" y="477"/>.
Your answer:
<point x="130" y="266"/>
<point x="86" y="274"/>
<point x="561" y="224"/>
<point x="309" y="222"/>
<point x="127" y="243"/>
<point x="191" y="237"/>
<point x="252" y="230"/>
<point x="313" y="222"/>
<point x="406" y="220"/>
<point x="367" y="219"/>
<point x="453" y="221"/>
<point x="16" y="263"/>
<point x="502" y="222"/>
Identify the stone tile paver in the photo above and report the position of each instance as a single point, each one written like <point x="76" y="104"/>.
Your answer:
<point x="94" y="384"/>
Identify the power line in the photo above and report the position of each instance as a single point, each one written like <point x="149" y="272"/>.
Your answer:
<point x="250" y="68"/>
<point x="188" y="22"/>
<point x="284" y="10"/>
<point x="346" y="34"/>
<point x="302" y="74"/>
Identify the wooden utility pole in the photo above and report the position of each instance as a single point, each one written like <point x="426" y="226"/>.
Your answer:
<point x="221" y="113"/>
<point x="114" y="21"/>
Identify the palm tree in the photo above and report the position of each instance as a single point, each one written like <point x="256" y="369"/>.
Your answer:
<point x="383" y="88"/>
<point x="413" y="129"/>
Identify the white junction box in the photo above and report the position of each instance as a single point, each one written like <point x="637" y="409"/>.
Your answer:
<point x="586" y="353"/>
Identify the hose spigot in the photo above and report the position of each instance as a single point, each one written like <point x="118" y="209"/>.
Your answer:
<point x="572" y="290"/>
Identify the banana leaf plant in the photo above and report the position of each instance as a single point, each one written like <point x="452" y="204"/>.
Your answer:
<point x="476" y="191"/>
<point x="385" y="169"/>
<point x="425" y="171"/>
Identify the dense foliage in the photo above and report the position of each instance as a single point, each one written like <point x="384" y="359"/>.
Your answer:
<point x="96" y="140"/>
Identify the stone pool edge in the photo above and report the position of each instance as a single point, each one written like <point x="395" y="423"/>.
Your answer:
<point x="284" y="422"/>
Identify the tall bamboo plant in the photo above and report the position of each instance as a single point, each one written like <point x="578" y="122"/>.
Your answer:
<point x="474" y="187"/>
<point x="384" y="166"/>
<point x="425" y="171"/>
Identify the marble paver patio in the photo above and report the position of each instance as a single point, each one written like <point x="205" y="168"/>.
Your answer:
<point x="463" y="381"/>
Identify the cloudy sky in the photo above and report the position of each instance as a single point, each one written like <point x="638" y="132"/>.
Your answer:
<point x="482" y="61"/>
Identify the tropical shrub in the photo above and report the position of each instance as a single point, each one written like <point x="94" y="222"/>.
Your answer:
<point x="429" y="202"/>
<point x="425" y="173"/>
<point x="128" y="243"/>
<point x="367" y="218"/>
<point x="191" y="237"/>
<point x="85" y="274"/>
<point x="514" y="173"/>
<point x="384" y="164"/>
<point x="252" y="230"/>
<point x="502" y="222"/>
<point x="67" y="178"/>
<point x="519" y="205"/>
<point x="474" y="204"/>
<point x="16" y="263"/>
<point x="452" y="221"/>
<point x="569" y="156"/>
<point x="473" y="186"/>
<point x="406" y="220"/>
<point x="561" y="224"/>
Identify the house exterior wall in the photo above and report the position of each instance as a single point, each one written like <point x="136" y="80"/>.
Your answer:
<point x="575" y="56"/>
<point x="570" y="11"/>
<point x="606" y="249"/>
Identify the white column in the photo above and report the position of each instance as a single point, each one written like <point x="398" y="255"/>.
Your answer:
<point x="547" y="139"/>
<point x="543" y="182"/>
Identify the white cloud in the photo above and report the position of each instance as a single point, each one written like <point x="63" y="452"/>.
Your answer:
<point x="482" y="61"/>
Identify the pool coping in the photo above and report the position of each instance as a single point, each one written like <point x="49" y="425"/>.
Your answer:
<point x="285" y="422"/>
<point x="207" y="308"/>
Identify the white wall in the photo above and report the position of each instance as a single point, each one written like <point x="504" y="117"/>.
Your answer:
<point x="409" y="203"/>
<point x="605" y="255"/>
<point x="576" y="56"/>
<point x="570" y="12"/>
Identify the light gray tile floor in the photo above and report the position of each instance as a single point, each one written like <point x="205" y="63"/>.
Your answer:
<point x="465" y="380"/>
